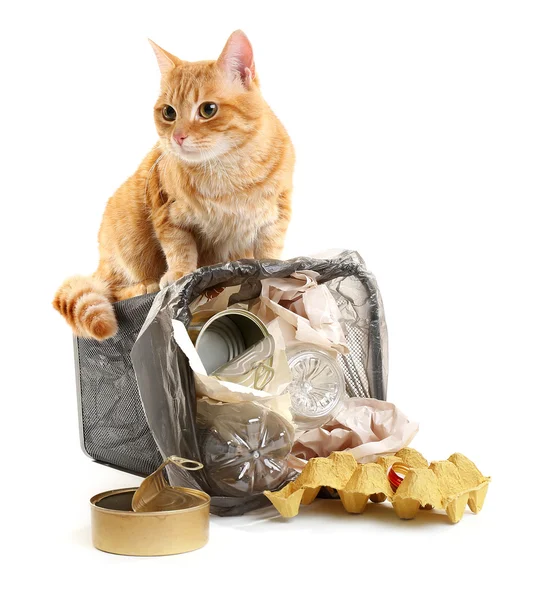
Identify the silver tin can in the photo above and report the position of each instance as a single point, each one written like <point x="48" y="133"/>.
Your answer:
<point x="235" y="345"/>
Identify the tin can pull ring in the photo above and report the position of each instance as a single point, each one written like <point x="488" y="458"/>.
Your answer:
<point x="184" y="463"/>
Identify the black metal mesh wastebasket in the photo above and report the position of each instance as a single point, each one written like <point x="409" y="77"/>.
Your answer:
<point x="113" y="426"/>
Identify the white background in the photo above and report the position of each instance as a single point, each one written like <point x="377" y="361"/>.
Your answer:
<point x="417" y="131"/>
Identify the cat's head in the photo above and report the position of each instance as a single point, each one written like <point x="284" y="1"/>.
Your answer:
<point x="208" y="109"/>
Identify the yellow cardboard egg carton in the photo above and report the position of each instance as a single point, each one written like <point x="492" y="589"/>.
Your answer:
<point x="447" y="484"/>
<point x="369" y="480"/>
<point x="334" y="471"/>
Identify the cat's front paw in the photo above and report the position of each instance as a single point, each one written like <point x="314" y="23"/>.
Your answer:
<point x="170" y="277"/>
<point x="152" y="287"/>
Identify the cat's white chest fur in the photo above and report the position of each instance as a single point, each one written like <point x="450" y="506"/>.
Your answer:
<point x="229" y="227"/>
<point x="225" y="206"/>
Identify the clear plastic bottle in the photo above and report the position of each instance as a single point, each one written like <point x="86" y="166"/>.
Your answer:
<point x="244" y="447"/>
<point x="317" y="387"/>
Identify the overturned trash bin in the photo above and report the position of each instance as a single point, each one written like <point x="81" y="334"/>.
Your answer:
<point x="136" y="391"/>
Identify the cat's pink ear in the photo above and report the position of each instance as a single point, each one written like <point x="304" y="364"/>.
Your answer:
<point x="166" y="61"/>
<point x="236" y="60"/>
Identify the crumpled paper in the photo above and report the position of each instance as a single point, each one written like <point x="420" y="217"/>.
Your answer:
<point x="273" y="397"/>
<point x="365" y="427"/>
<point x="215" y="300"/>
<point x="307" y="312"/>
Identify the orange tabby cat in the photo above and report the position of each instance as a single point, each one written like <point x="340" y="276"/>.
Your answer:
<point x="216" y="187"/>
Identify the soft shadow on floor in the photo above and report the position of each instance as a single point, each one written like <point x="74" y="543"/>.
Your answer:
<point x="382" y="513"/>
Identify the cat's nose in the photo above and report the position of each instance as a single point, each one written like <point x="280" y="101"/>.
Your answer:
<point x="179" y="138"/>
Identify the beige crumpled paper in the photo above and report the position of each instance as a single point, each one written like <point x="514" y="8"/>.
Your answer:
<point x="274" y="396"/>
<point x="307" y="311"/>
<point x="365" y="427"/>
<point x="214" y="300"/>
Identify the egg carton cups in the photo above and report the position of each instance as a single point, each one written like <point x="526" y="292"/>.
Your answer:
<point x="448" y="485"/>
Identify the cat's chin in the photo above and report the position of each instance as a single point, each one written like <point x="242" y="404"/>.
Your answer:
<point x="190" y="156"/>
<point x="196" y="156"/>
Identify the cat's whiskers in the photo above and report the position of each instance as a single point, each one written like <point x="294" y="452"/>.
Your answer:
<point x="212" y="181"/>
<point x="216" y="179"/>
<point x="150" y="171"/>
<point x="205" y="164"/>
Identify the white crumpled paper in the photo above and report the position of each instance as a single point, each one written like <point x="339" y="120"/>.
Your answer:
<point x="365" y="427"/>
<point x="307" y="311"/>
<point x="273" y="397"/>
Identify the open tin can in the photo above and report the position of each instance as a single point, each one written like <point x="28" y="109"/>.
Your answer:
<point x="235" y="345"/>
<point x="153" y="520"/>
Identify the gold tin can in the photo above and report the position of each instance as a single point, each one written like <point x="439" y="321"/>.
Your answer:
<point x="179" y="525"/>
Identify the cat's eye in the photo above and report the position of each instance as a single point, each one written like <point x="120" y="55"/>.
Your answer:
<point x="168" y="112"/>
<point x="207" y="110"/>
